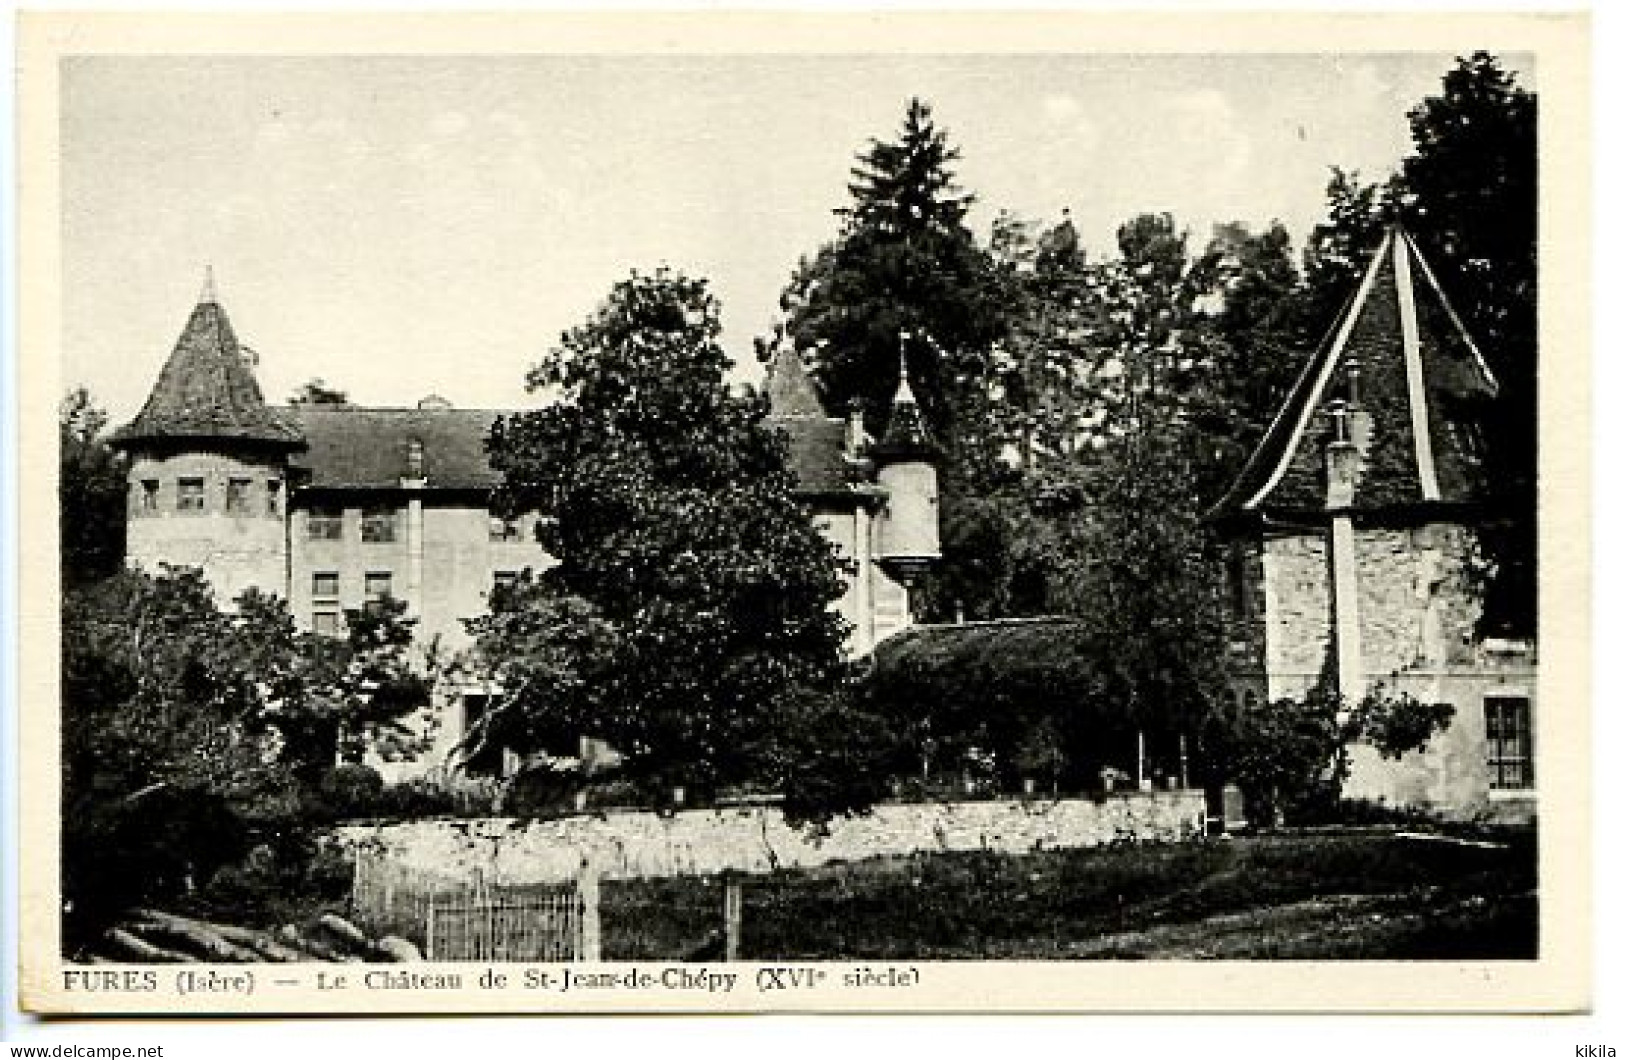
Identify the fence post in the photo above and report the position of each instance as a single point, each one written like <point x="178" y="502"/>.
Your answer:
<point x="733" y="907"/>
<point x="591" y="947"/>
<point x="428" y="932"/>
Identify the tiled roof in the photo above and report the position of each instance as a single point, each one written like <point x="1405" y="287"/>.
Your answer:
<point x="207" y="391"/>
<point x="817" y="454"/>
<point x="817" y="443"/>
<point x="790" y="391"/>
<point x="1422" y="382"/>
<point x="350" y="447"/>
<point x="367" y="448"/>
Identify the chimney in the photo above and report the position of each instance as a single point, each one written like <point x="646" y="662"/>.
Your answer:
<point x="1359" y="415"/>
<point x="1343" y="458"/>
<point x="414" y="461"/>
<point x="854" y="429"/>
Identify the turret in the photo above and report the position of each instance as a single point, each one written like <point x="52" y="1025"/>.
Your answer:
<point x="906" y="469"/>
<point x="209" y="464"/>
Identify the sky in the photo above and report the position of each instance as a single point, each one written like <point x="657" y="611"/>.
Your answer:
<point x="401" y="226"/>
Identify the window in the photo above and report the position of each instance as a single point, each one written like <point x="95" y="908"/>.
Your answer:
<point x="378" y="585"/>
<point x="237" y="496"/>
<point x="325" y="524"/>
<point x="149" y="495"/>
<point x="1509" y="744"/>
<point x="503" y="579"/>
<point x="189" y="495"/>
<point x="273" y="497"/>
<point x="378" y="525"/>
<point x="504" y="529"/>
<point x="324" y="585"/>
<point x="327" y="623"/>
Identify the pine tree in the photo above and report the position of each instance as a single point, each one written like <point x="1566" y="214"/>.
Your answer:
<point x="904" y="264"/>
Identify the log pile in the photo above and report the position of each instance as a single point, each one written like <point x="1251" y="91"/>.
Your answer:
<point x="148" y="936"/>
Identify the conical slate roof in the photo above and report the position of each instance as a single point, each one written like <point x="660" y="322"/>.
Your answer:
<point x="207" y="391"/>
<point x="1402" y="355"/>
<point x="907" y="437"/>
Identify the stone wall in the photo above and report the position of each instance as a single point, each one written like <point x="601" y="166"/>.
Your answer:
<point x="1417" y="612"/>
<point x="635" y="844"/>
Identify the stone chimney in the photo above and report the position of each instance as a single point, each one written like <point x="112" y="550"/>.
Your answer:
<point x="854" y="429"/>
<point x="1343" y="458"/>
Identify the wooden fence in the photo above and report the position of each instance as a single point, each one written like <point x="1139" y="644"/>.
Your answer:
<point x="477" y="918"/>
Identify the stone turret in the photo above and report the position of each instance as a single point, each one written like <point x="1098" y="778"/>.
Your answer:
<point x="209" y="464"/>
<point x="906" y="469"/>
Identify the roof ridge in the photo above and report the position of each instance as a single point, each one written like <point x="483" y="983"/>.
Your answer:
<point x="1420" y="397"/>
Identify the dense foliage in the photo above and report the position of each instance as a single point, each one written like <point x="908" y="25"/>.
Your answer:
<point x="317" y="392"/>
<point x="190" y="732"/>
<point x="687" y="620"/>
<point x="1291" y="757"/>
<point x="91" y="492"/>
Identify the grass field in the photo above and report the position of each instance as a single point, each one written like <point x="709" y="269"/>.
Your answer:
<point x="1368" y="894"/>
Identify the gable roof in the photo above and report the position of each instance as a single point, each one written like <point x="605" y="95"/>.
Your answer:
<point x="1421" y="381"/>
<point x="370" y="448"/>
<point x="816" y="442"/>
<point x="207" y="391"/>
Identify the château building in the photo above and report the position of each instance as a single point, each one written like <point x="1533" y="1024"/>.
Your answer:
<point x="1354" y="552"/>
<point x="334" y="506"/>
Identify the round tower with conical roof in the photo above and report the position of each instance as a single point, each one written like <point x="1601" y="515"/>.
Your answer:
<point x="906" y="469"/>
<point x="209" y="464"/>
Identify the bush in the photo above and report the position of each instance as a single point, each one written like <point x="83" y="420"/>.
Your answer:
<point x="1290" y="757"/>
<point x="347" y="790"/>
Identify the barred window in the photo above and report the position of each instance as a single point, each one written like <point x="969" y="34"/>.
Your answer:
<point x="325" y="524"/>
<point x="189" y="495"/>
<point x="378" y="525"/>
<point x="1509" y="743"/>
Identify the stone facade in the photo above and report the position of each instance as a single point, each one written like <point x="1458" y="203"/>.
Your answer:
<point x="332" y="507"/>
<point x="629" y="845"/>
<point x="1417" y="611"/>
<point x="1354" y="560"/>
<point x="222" y="511"/>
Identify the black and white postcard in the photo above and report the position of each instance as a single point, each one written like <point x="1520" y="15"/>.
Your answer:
<point x="785" y="511"/>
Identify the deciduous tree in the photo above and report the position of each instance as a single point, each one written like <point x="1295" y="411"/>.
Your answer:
<point x="690" y="602"/>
